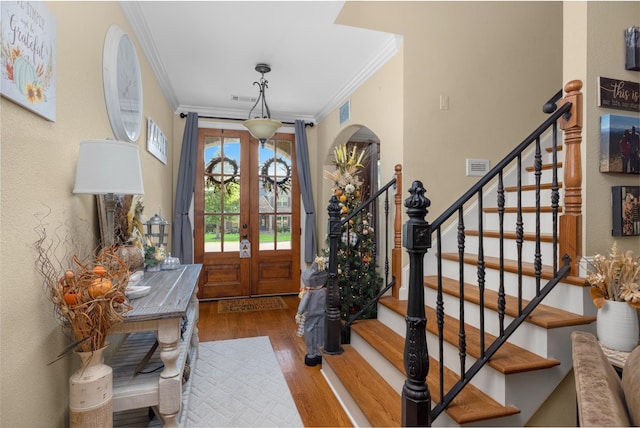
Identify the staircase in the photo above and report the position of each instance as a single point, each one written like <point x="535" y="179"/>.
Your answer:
<point x="475" y="252"/>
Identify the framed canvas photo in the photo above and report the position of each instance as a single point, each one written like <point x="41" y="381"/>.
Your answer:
<point x="619" y="144"/>
<point x="28" y="56"/>
<point x="626" y="210"/>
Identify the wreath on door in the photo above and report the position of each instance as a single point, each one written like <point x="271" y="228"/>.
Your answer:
<point x="217" y="182"/>
<point x="270" y="182"/>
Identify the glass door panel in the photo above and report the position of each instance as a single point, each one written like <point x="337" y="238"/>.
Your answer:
<point x="247" y="206"/>
<point x="222" y="171"/>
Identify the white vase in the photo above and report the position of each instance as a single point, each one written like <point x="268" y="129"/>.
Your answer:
<point x="91" y="392"/>
<point x="617" y="326"/>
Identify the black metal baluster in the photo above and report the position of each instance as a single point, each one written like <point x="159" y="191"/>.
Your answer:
<point x="440" y="314"/>
<point x="555" y="196"/>
<point x="501" y="298"/>
<point x="519" y="232"/>
<point x="537" y="263"/>
<point x="386" y="234"/>
<point x="462" y="340"/>
<point x="481" y="268"/>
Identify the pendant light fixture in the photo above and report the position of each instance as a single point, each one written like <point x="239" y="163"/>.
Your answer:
<point x="263" y="127"/>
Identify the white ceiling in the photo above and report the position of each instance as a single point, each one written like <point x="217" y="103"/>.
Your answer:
<point x="205" y="52"/>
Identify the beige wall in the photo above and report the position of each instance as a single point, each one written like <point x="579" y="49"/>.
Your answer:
<point x="377" y="105"/>
<point x="594" y="47"/>
<point x="497" y="62"/>
<point x="38" y="160"/>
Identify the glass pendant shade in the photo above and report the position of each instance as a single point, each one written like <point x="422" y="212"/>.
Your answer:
<point x="262" y="129"/>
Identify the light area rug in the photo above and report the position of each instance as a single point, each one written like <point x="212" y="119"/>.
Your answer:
<point x="239" y="383"/>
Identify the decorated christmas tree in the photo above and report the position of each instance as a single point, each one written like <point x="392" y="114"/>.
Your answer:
<point x="357" y="277"/>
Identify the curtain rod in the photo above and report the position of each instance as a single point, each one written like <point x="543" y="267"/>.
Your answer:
<point x="183" y="115"/>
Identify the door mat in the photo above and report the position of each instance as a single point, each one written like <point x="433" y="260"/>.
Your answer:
<point x="248" y="305"/>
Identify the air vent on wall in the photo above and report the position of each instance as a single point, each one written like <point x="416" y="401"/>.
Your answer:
<point x="477" y="167"/>
<point x="243" y="99"/>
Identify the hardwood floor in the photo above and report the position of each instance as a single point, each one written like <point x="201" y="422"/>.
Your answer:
<point x="316" y="402"/>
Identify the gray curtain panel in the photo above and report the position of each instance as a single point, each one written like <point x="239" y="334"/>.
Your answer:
<point x="182" y="233"/>
<point x="304" y="178"/>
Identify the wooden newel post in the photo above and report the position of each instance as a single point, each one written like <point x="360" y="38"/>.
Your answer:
<point x="332" y="322"/>
<point x="396" y="252"/>
<point x="416" y="400"/>
<point x="571" y="219"/>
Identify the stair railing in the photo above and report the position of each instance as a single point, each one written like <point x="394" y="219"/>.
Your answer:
<point x="337" y="330"/>
<point x="417" y="237"/>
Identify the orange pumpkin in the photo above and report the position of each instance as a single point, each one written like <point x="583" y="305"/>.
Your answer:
<point x="72" y="298"/>
<point x="99" y="270"/>
<point x="99" y="287"/>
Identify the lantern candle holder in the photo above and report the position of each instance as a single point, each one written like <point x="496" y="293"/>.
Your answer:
<point x="158" y="230"/>
<point x="154" y="250"/>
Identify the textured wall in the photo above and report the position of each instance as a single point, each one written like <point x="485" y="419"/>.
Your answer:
<point x="38" y="160"/>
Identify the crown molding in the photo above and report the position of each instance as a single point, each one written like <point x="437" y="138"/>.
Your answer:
<point x="134" y="15"/>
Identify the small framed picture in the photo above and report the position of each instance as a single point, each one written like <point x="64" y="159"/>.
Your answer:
<point x="620" y="144"/>
<point x="626" y="210"/>
<point x="156" y="141"/>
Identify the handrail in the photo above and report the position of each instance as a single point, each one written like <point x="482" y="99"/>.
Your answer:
<point x="551" y="105"/>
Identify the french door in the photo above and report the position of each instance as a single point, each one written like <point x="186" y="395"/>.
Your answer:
<point x="247" y="215"/>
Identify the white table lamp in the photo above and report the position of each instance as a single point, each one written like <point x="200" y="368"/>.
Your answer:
<point x="108" y="167"/>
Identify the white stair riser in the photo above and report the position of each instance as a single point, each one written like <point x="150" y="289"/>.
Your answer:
<point x="490" y="381"/>
<point x="388" y="371"/>
<point x="528" y="336"/>
<point x="491" y="222"/>
<point x="545" y="177"/>
<point x="348" y="404"/>
<point x="528" y="198"/>
<point x="491" y="247"/>
<point x="568" y="297"/>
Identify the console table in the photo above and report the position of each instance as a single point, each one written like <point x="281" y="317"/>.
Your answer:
<point x="169" y="313"/>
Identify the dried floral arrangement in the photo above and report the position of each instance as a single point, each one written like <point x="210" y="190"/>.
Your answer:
<point x="87" y="294"/>
<point x="615" y="277"/>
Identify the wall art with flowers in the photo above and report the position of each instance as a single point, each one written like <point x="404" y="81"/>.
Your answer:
<point x="28" y="56"/>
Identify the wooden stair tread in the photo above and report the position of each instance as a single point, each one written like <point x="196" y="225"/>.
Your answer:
<point x="512" y="267"/>
<point x="507" y="360"/>
<point x="531" y="187"/>
<point x="543" y="315"/>
<point x="377" y="400"/>
<point x="545" y="166"/>
<point x="471" y="404"/>
<point x="524" y="210"/>
<point x="544" y="237"/>
<point x="550" y="149"/>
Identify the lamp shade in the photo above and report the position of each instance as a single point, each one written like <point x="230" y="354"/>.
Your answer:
<point x="262" y="129"/>
<point x="108" y="166"/>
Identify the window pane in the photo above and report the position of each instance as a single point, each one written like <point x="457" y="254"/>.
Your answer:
<point x="222" y="172"/>
<point x="283" y="232"/>
<point x="212" y="200"/>
<point x="267" y="232"/>
<point x="231" y="232"/>
<point x="212" y="236"/>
